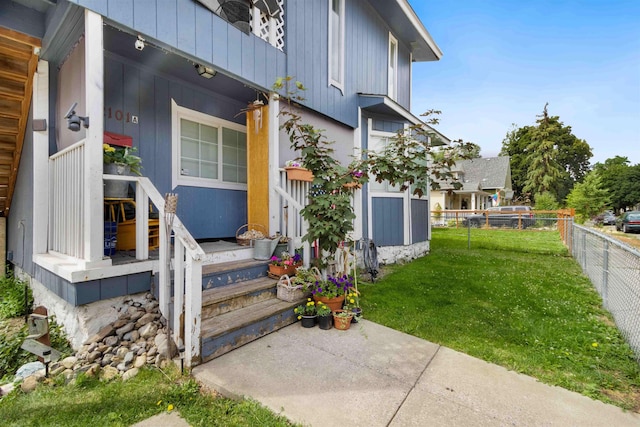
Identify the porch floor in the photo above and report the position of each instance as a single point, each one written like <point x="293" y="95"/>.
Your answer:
<point x="128" y="257"/>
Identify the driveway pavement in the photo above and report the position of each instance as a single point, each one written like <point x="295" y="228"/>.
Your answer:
<point x="371" y="376"/>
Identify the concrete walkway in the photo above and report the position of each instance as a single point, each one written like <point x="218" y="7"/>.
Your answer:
<point x="371" y="376"/>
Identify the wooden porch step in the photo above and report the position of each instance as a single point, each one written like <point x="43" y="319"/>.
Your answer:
<point x="223" y="333"/>
<point x="220" y="300"/>
<point x="227" y="273"/>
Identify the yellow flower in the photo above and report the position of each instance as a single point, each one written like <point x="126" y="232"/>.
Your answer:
<point x="310" y="303"/>
<point x="594" y="345"/>
<point x="299" y="317"/>
<point x="308" y="299"/>
<point x="170" y="407"/>
<point x="159" y="402"/>
<point x="295" y="310"/>
<point x="352" y="301"/>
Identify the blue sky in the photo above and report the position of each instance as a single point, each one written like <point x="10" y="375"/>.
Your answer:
<point x="504" y="59"/>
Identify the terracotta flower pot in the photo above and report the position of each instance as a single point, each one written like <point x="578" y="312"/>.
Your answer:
<point x="342" y="323"/>
<point x="299" y="174"/>
<point x="281" y="270"/>
<point x="333" y="303"/>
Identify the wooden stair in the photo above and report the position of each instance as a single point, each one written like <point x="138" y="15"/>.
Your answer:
<point x="239" y="305"/>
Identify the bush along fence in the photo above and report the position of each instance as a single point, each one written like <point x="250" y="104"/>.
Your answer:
<point x="614" y="269"/>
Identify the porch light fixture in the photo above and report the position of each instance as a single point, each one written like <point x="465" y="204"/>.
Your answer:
<point x="206" y="72"/>
<point x="74" y="120"/>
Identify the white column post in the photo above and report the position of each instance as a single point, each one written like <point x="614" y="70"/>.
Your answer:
<point x="274" y="163"/>
<point x="41" y="160"/>
<point x="193" y="311"/>
<point x="93" y="182"/>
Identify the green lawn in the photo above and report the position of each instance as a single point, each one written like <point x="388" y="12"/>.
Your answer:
<point x="90" y="402"/>
<point x="516" y="299"/>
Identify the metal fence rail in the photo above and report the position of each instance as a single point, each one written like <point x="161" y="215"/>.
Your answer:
<point x="614" y="269"/>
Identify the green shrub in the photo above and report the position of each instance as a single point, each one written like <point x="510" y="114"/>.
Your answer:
<point x="12" y="296"/>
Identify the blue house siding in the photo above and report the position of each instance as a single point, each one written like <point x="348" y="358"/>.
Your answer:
<point x="21" y="18"/>
<point x="133" y="90"/>
<point x="201" y="34"/>
<point x="366" y="48"/>
<point x="388" y="221"/>
<point x="419" y="221"/>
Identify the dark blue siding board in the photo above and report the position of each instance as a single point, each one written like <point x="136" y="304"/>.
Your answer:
<point x="248" y="60"/>
<point x="131" y="103"/>
<point x="23" y="19"/>
<point x="121" y="11"/>
<point x="262" y="73"/>
<point x="388" y="221"/>
<point x="419" y="220"/>
<point x="113" y="99"/>
<point x="186" y="18"/>
<point x="204" y="45"/>
<point x="234" y="46"/>
<point x="167" y="29"/>
<point x="87" y="292"/>
<point x="113" y="287"/>
<point x="211" y="213"/>
<point x="98" y="6"/>
<point x="219" y="37"/>
<point x="139" y="282"/>
<point x="162" y="108"/>
<point x="144" y="15"/>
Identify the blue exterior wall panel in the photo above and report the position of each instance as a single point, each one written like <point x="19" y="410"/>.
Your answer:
<point x="419" y="221"/>
<point x="388" y="221"/>
<point x="131" y="89"/>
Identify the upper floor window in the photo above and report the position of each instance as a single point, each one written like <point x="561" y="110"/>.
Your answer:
<point x="392" y="86"/>
<point x="209" y="151"/>
<point x="336" y="43"/>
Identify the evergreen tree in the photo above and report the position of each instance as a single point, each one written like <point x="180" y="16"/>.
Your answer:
<point x="588" y="197"/>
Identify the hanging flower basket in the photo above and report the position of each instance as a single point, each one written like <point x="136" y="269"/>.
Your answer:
<point x="299" y="174"/>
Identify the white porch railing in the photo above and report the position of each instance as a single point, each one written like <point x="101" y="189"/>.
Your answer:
<point x="293" y="198"/>
<point x="67" y="204"/>
<point x="188" y="258"/>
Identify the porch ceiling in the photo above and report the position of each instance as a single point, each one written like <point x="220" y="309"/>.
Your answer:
<point x="18" y="63"/>
<point x="165" y="61"/>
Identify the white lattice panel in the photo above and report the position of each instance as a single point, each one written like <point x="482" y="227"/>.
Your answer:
<point x="269" y="29"/>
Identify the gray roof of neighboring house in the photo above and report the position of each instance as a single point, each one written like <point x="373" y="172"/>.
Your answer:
<point x="483" y="173"/>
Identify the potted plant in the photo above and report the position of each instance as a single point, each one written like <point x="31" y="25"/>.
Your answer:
<point x="119" y="161"/>
<point x="284" y="264"/>
<point x="352" y="304"/>
<point x="325" y="319"/>
<point x="307" y="313"/>
<point x="342" y="319"/>
<point x="296" y="172"/>
<point x="332" y="291"/>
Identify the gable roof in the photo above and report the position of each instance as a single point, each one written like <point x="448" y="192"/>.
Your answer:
<point x="483" y="173"/>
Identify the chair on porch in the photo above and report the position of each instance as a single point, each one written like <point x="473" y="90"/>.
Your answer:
<point x="123" y="211"/>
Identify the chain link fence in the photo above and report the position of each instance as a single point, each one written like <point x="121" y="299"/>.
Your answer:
<point x="614" y="269"/>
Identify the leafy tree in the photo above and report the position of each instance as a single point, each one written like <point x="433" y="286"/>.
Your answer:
<point x="545" y="157"/>
<point x="472" y="151"/>
<point x="621" y="180"/>
<point x="408" y="161"/>
<point x="546" y="202"/>
<point x="588" y="197"/>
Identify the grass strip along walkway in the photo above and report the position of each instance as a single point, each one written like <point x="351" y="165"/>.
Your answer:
<point x="516" y="299"/>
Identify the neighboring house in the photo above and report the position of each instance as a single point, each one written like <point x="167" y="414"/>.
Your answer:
<point x="486" y="181"/>
<point x="189" y="82"/>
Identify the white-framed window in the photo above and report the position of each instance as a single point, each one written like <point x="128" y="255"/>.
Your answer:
<point x="392" y="84"/>
<point x="377" y="142"/>
<point x="207" y="151"/>
<point x="336" y="44"/>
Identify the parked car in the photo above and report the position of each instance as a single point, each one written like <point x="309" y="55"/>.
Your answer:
<point x="605" y="218"/>
<point x="628" y="222"/>
<point x="502" y="216"/>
